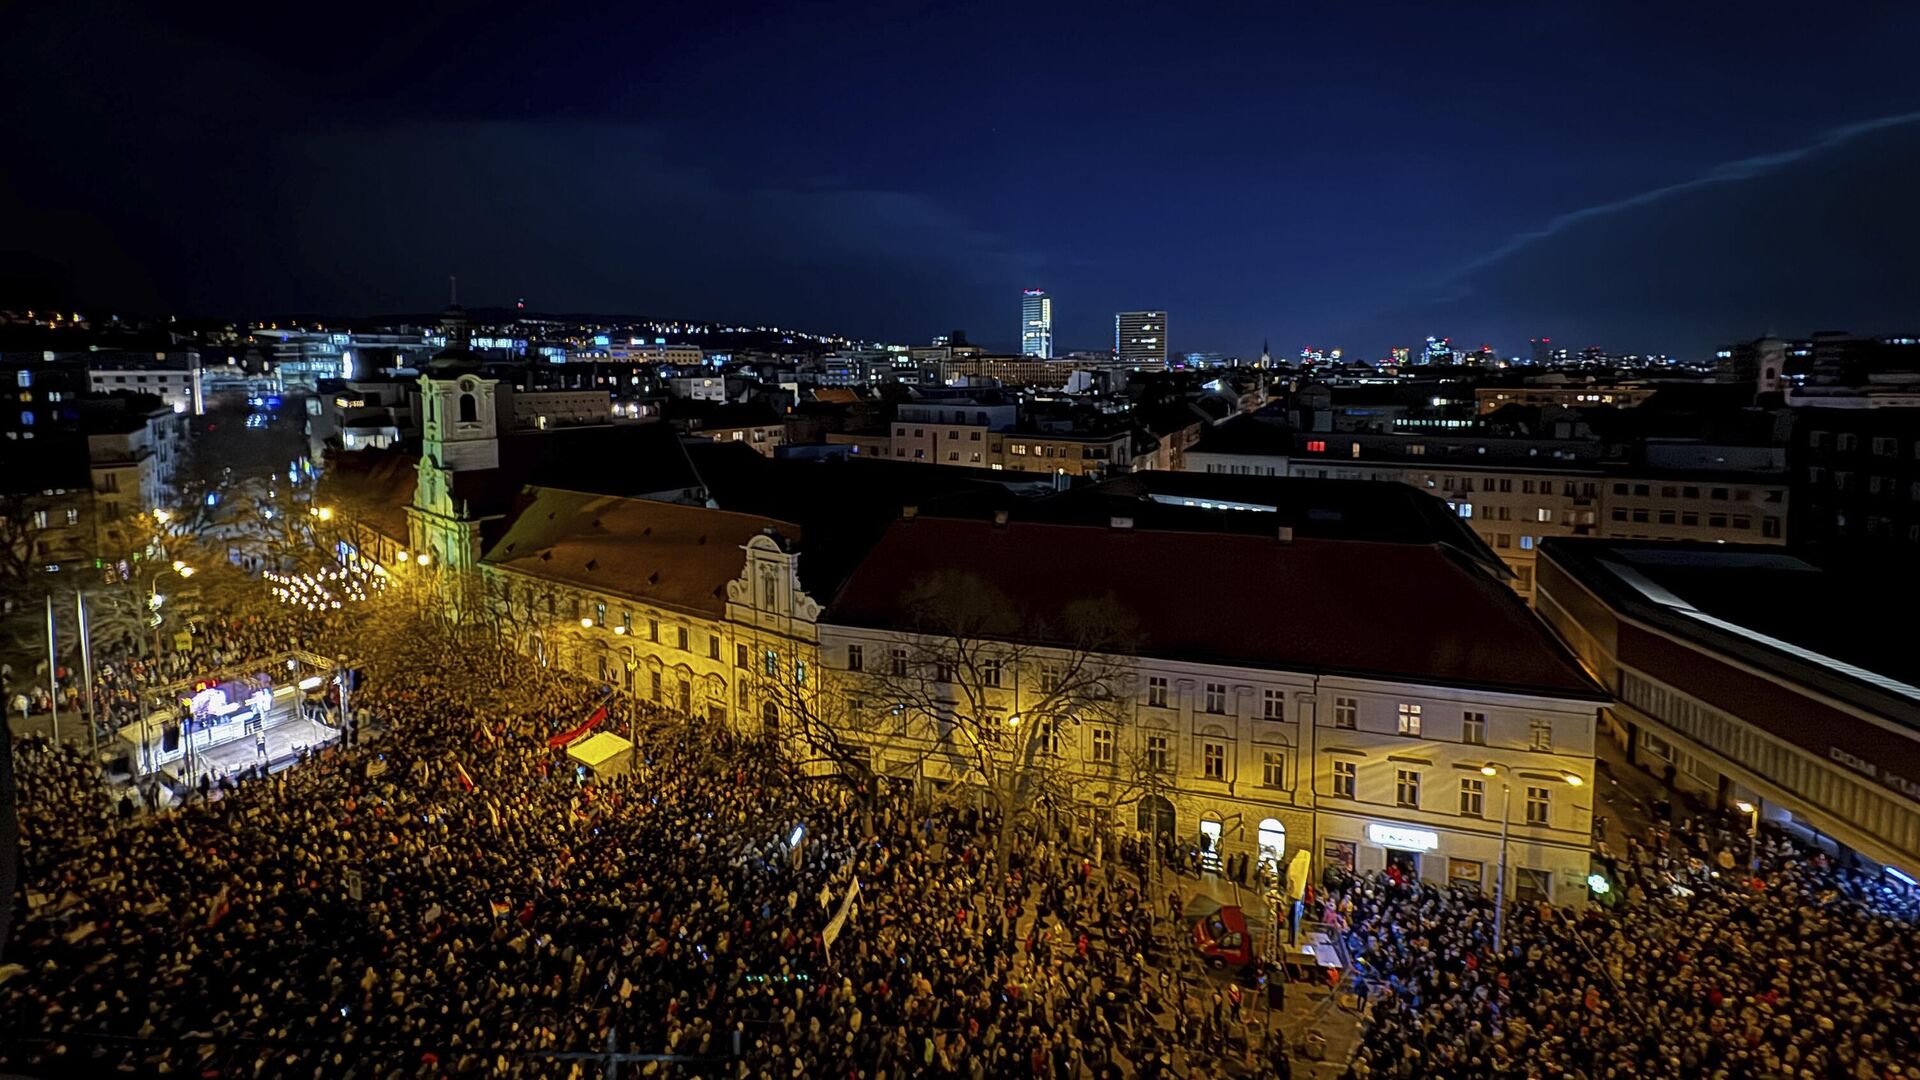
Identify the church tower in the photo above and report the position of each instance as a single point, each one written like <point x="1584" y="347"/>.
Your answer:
<point x="460" y="434"/>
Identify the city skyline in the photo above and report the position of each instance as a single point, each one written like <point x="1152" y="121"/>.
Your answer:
<point x="1488" y="212"/>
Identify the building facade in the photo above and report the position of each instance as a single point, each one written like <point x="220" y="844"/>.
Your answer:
<point x="1140" y="340"/>
<point x="1036" y="324"/>
<point x="1739" y="677"/>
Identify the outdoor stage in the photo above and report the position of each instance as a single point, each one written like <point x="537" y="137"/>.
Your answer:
<point x="237" y="722"/>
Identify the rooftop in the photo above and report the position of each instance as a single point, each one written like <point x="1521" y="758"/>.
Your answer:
<point x="679" y="557"/>
<point x="1330" y="607"/>
<point x="1766" y="607"/>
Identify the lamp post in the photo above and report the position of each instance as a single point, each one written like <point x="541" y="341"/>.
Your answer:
<point x="1505" y="771"/>
<point x="153" y="603"/>
<point x="154" y="599"/>
<point x="1752" y="810"/>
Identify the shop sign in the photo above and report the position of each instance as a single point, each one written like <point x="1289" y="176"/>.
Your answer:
<point x="1399" y="836"/>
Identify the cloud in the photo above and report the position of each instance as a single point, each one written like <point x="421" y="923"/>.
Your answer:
<point x="605" y="218"/>
<point x="1814" y="237"/>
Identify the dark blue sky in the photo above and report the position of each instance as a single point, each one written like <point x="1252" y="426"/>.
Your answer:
<point x="1661" y="177"/>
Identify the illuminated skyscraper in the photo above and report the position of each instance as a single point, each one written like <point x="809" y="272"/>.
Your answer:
<point x="1036" y="324"/>
<point x="1140" y="339"/>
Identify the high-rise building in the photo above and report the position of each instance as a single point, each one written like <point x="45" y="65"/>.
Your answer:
<point x="1036" y="324"/>
<point x="1140" y="339"/>
<point x="1439" y="350"/>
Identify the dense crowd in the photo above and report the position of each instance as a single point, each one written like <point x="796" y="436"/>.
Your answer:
<point x="1701" y="971"/>
<point x="457" y="898"/>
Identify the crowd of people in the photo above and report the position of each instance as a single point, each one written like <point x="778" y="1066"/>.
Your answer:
<point x="1703" y="970"/>
<point x="457" y="897"/>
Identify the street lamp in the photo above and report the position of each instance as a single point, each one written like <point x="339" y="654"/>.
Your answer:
<point x="1752" y="810"/>
<point x="1494" y="768"/>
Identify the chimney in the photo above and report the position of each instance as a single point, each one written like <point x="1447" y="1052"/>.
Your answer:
<point x="1120" y="522"/>
<point x="1285" y="535"/>
<point x="1000" y="519"/>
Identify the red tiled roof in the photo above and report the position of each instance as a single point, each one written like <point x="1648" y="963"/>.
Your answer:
<point x="1396" y="611"/>
<point x="678" y="557"/>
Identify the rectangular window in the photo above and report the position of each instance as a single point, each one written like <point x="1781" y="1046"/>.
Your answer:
<point x="1273" y="705"/>
<point x="1536" y="806"/>
<point x="599" y="613"/>
<point x="1473" y="728"/>
<point x="1049" y="678"/>
<point x="741" y="657"/>
<point x="1157" y="753"/>
<point x="897" y="662"/>
<point x="1409" y="719"/>
<point x="1273" y="768"/>
<point x="1346" y="713"/>
<point x="1103" y="744"/>
<point x="686" y="698"/>
<point x="770" y="663"/>
<point x="73" y="516"/>
<point x="653" y="629"/>
<point x="682" y="638"/>
<point x="654" y="682"/>
<point x="626" y="621"/>
<point x="990" y="673"/>
<point x="1217" y="698"/>
<point x="1213" y="756"/>
<point x="1157" y="691"/>
<point x="1540" y="733"/>
<point x="856" y="658"/>
<point x="1345" y="777"/>
<point x="713" y="646"/>
<point x="800" y="672"/>
<point x="1406" y="788"/>
<point x="945" y="671"/>
<point x="1473" y="797"/>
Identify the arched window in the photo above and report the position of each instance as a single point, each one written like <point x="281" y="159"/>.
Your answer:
<point x="770" y="718"/>
<point x="469" y="410"/>
<point x="1273" y="842"/>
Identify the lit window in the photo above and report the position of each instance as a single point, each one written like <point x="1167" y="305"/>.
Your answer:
<point x="1316" y="446"/>
<point x="770" y="663"/>
<point x="1213" y="756"/>
<point x="1409" y="719"/>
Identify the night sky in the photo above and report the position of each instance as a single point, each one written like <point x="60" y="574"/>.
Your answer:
<point x="1666" y="177"/>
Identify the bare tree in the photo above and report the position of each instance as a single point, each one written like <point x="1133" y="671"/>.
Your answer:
<point x="991" y="692"/>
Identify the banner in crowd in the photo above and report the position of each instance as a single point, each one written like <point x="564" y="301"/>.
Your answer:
<point x="839" y="920"/>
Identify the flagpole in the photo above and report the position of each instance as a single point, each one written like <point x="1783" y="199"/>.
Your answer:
<point x="53" y="671"/>
<point x="86" y="669"/>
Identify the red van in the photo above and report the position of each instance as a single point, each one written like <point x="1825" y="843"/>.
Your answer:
<point x="1222" y="938"/>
